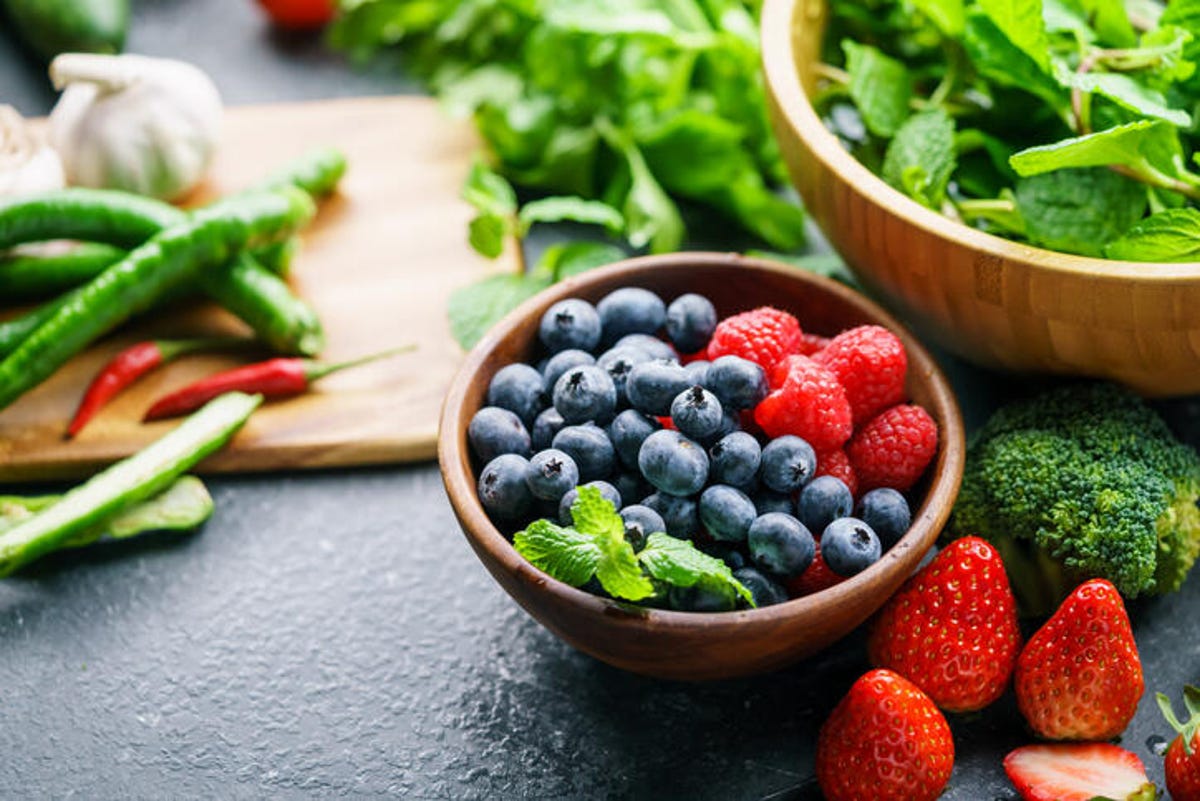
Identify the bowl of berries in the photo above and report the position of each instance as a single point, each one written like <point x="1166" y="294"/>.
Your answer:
<point x="700" y="466"/>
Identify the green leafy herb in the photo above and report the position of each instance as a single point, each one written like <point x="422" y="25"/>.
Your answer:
<point x="477" y="307"/>
<point x="880" y="86"/>
<point x="1169" y="236"/>
<point x="921" y="158"/>
<point x="679" y="563"/>
<point x="1022" y="23"/>
<point x="1079" y="210"/>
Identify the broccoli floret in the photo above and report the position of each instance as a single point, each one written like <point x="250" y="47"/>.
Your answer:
<point x="1081" y="482"/>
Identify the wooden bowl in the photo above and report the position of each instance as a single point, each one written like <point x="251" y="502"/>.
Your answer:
<point x="996" y="302"/>
<point x="686" y="645"/>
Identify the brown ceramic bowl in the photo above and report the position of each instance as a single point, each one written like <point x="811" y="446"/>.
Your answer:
<point x="686" y="645"/>
<point x="997" y="302"/>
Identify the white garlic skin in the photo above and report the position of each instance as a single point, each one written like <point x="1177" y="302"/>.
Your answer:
<point x="27" y="165"/>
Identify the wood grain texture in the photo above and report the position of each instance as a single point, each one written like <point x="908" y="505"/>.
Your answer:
<point x="999" y="303"/>
<point x="378" y="264"/>
<point x="683" y="645"/>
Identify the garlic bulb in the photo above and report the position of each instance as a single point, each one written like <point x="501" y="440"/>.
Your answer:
<point x="145" y="125"/>
<point x="27" y="164"/>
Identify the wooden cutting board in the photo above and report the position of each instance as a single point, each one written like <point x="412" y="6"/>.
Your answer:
<point x="378" y="264"/>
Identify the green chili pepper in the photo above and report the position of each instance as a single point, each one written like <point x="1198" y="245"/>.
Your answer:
<point x="35" y="276"/>
<point x="175" y="257"/>
<point x="91" y="215"/>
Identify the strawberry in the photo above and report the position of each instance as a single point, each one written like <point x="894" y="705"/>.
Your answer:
<point x="885" y="741"/>
<point x="952" y="628"/>
<point x="815" y="578"/>
<point x="1080" y="678"/>
<point x="1182" y="765"/>
<point x="1078" y="772"/>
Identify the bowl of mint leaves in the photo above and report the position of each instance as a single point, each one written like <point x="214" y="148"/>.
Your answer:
<point x="1018" y="178"/>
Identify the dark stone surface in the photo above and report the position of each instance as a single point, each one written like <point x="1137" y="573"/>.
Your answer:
<point x="332" y="634"/>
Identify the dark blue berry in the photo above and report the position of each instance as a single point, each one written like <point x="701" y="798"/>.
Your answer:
<point x="494" y="431"/>
<point x="628" y="431"/>
<point x="788" y="463"/>
<point x="823" y="500"/>
<point x="849" y="546"/>
<point x="560" y="363"/>
<point x="585" y="393"/>
<point x="680" y="515"/>
<point x="570" y="323"/>
<point x="630" y="310"/>
<point x="739" y="383"/>
<point x="654" y="347"/>
<point x="518" y="388"/>
<point x="727" y="552"/>
<point x="653" y="385"/>
<point x="631" y="484"/>
<point x="697" y="413"/>
<point x="697" y="372"/>
<point x="640" y="523"/>
<point x="766" y="501"/>
<point x="734" y="460"/>
<point x="607" y="491"/>
<point x="701" y="597"/>
<point x="727" y="513"/>
<point x="618" y="362"/>
<point x="551" y="474"/>
<point x="765" y="591"/>
<point x="781" y="545"/>
<point x="502" y="488"/>
<point x="691" y="320"/>
<point x="887" y="513"/>
<point x="591" y="449"/>
<point x="673" y="463"/>
<point x="547" y="424"/>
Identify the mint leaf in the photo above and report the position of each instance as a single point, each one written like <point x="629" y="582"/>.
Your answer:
<point x="1022" y="24"/>
<point x="679" y="563"/>
<point x="488" y="192"/>
<point x="1000" y="61"/>
<point x="651" y="217"/>
<point x="561" y="552"/>
<point x="947" y="15"/>
<point x="1123" y="90"/>
<point x="1067" y="16"/>
<point x="475" y="308"/>
<point x="1128" y="145"/>
<point x="486" y="234"/>
<point x="921" y="158"/>
<point x="1169" y="236"/>
<point x="572" y="209"/>
<point x="617" y="567"/>
<point x="491" y="83"/>
<point x="880" y="86"/>
<point x="1079" y="210"/>
<point x="1111" y="21"/>
<point x="572" y="258"/>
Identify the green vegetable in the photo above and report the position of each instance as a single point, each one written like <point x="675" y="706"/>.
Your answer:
<point x="880" y="87"/>
<point x="1080" y="482"/>
<point x="128" y="482"/>
<point x="1171" y="235"/>
<point x="51" y="27"/>
<point x="36" y="275"/>
<point x="677" y="562"/>
<point x="14" y="331"/>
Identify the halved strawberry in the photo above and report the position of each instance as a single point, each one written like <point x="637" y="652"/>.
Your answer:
<point x="1078" y="772"/>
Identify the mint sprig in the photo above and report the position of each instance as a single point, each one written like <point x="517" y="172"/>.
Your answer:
<point x="679" y="563"/>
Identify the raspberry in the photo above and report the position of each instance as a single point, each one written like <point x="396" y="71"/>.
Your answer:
<point x="809" y="402"/>
<point x="870" y="362"/>
<point x="894" y="448"/>
<point x="764" y="336"/>
<point x="817" y="577"/>
<point x="812" y="343"/>
<point x="837" y="464"/>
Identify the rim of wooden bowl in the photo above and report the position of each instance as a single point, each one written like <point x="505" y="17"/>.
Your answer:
<point x="781" y="19"/>
<point x="928" y="520"/>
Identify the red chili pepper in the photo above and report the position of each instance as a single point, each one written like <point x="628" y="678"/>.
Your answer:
<point x="274" y="378"/>
<point x="131" y="364"/>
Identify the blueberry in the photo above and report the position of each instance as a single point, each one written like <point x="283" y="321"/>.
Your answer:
<point x="697" y="372"/>
<point x="734" y="460"/>
<point x="628" y="431"/>
<point x="585" y="393"/>
<point x="823" y="500"/>
<point x="547" y="424"/>
<point x="570" y="323"/>
<point x="673" y="463"/>
<point x="518" y="388"/>
<point x="494" y="431"/>
<point x="781" y="545"/>
<point x="653" y="385"/>
<point x="591" y="449"/>
<point x="739" y="383"/>
<point x="887" y="513"/>
<point x="560" y="363"/>
<point x="679" y="514"/>
<point x="631" y="484"/>
<point x="697" y="413"/>
<point x="727" y="552"/>
<point x="502" y="488"/>
<point x="766" y="501"/>
<point x="630" y="310"/>
<point x="654" y="347"/>
<point x="618" y="362"/>
<point x="787" y="463"/>
<point x="691" y="320"/>
<point x="640" y="523"/>
<point x="701" y="597"/>
<point x="727" y="513"/>
<point x="730" y="422"/>
<point x="849" y="546"/>
<point x="765" y="591"/>
<point x="551" y="474"/>
<point x="607" y="491"/>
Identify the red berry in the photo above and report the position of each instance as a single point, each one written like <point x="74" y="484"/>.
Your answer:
<point x="811" y="344"/>
<point x="816" y="577"/>
<point x="885" y="741"/>
<point x="1079" y="772"/>
<point x="807" y="401"/>
<point x="871" y="363"/>
<point x="764" y="336"/>
<point x="893" y="448"/>
<point x="952" y="629"/>
<point x="837" y="464"/>
<point x="1182" y="765"/>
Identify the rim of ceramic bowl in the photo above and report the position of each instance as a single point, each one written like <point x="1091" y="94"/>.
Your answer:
<point x="780" y="21"/>
<point x="927" y="522"/>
